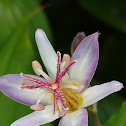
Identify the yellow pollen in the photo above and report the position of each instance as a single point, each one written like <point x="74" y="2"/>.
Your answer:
<point x="52" y="97"/>
<point x="55" y="86"/>
<point x="74" y="84"/>
<point x="72" y="100"/>
<point x="81" y="100"/>
<point x="57" y="108"/>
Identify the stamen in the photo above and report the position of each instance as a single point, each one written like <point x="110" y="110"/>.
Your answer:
<point x="42" y="83"/>
<point x="60" y="106"/>
<point x="37" y="107"/>
<point x="54" y="86"/>
<point x="64" y="64"/>
<point x="35" y="65"/>
<point x="65" y="108"/>
<point x="66" y="69"/>
<point x="40" y="98"/>
<point x="55" y="102"/>
<point x="70" y="86"/>
<point x="56" y="97"/>
<point x="79" y="90"/>
<point x="63" y="104"/>
<point x="25" y="82"/>
<point x="66" y="60"/>
<point x="41" y="72"/>
<point x="62" y="113"/>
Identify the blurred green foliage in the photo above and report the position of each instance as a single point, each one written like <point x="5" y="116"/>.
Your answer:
<point x="118" y="119"/>
<point x="65" y="19"/>
<point x="17" y="49"/>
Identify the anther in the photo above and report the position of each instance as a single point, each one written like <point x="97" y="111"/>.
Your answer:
<point x="21" y="74"/>
<point x="62" y="113"/>
<point x="79" y="90"/>
<point x="64" y="64"/>
<point x="35" y="65"/>
<point x="25" y="82"/>
<point x="66" y="60"/>
<point x="38" y="107"/>
<point x="41" y="72"/>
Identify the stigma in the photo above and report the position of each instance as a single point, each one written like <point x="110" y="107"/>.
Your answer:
<point x="65" y="96"/>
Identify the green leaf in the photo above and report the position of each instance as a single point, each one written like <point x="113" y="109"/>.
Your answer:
<point x="108" y="106"/>
<point x="118" y="119"/>
<point x="109" y="11"/>
<point x="18" y="48"/>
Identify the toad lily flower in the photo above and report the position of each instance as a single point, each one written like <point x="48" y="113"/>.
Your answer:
<point x="65" y="92"/>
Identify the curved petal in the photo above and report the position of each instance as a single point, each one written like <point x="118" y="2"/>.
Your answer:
<point x="37" y="118"/>
<point x="86" y="54"/>
<point x="93" y="94"/>
<point x="47" y="53"/>
<point x="10" y="84"/>
<point x="77" y="118"/>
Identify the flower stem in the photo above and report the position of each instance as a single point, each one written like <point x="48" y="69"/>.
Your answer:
<point x="95" y="118"/>
<point x="93" y="113"/>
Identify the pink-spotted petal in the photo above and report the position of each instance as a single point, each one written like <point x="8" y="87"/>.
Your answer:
<point x="47" y="53"/>
<point x="77" y="118"/>
<point x="37" y="118"/>
<point x="10" y="84"/>
<point x="86" y="54"/>
<point x="93" y="94"/>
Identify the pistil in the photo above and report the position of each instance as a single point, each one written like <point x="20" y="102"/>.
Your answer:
<point x="50" y="86"/>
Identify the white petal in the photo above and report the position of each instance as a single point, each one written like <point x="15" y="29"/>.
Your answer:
<point x="47" y="53"/>
<point x="86" y="54"/>
<point x="77" y="118"/>
<point x="10" y="84"/>
<point x="37" y="118"/>
<point x="98" y="92"/>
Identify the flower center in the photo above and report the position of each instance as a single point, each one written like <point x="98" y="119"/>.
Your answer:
<point x="54" y="86"/>
<point x="63" y="94"/>
<point x="72" y="99"/>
